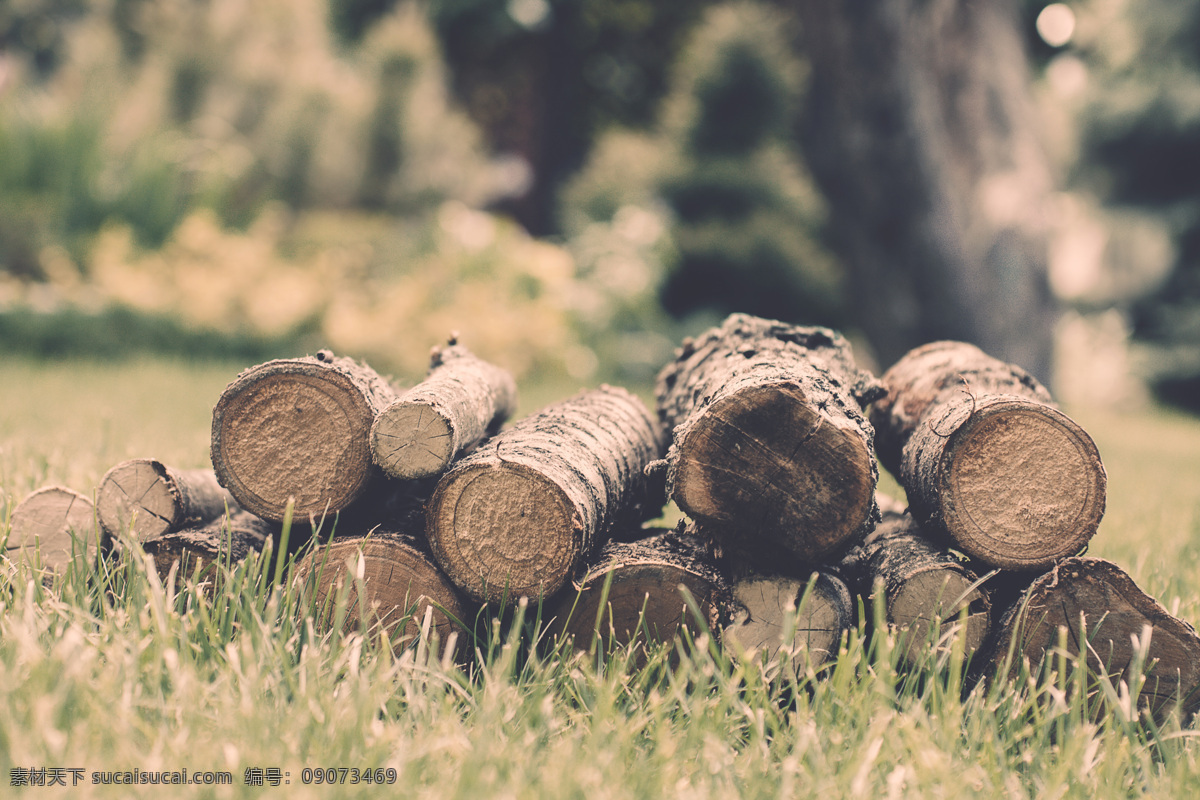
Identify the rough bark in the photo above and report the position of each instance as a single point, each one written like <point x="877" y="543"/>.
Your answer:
<point x="1101" y="609"/>
<point x="393" y="581"/>
<point x="462" y="400"/>
<point x="224" y="541"/>
<point x="146" y="498"/>
<point x="923" y="588"/>
<point x="770" y="447"/>
<point x="777" y="615"/>
<point x="298" y="428"/>
<point x="921" y="131"/>
<point x="645" y="601"/>
<point x="987" y="460"/>
<point x="519" y="516"/>
<point x="51" y="526"/>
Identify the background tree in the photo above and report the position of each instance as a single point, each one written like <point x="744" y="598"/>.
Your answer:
<point x="920" y="130"/>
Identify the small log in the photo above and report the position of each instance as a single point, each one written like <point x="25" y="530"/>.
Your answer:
<point x="519" y="516"/>
<point x="146" y="498"/>
<point x="226" y="540"/>
<point x="298" y="429"/>
<point x="773" y="615"/>
<point x="988" y="462"/>
<point x="461" y="401"/>
<point x="1102" y="610"/>
<point x="399" y="581"/>
<point x="55" y="523"/>
<point x="645" y="601"/>
<point x="770" y="447"/>
<point x="922" y="586"/>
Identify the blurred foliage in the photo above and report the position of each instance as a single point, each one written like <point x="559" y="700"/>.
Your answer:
<point x="230" y="169"/>
<point x="743" y="217"/>
<point x="1126" y="90"/>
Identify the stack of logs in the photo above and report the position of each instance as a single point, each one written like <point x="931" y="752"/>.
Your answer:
<point x="421" y="502"/>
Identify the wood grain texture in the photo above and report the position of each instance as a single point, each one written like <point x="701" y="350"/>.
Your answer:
<point x="298" y="429"/>
<point x="146" y="498"/>
<point x="51" y="526"/>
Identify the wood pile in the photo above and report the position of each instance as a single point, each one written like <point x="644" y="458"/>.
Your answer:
<point x="418" y="507"/>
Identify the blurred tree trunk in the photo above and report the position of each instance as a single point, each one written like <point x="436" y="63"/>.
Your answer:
<point x="921" y="131"/>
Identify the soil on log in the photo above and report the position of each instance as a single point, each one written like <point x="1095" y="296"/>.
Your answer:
<point x="770" y="445"/>
<point x="390" y="582"/>
<point x="987" y="460"/>
<point x="519" y="516"/>
<point x="52" y="526"/>
<point x="923" y="588"/>
<point x="1103" y="611"/>
<point x="644" y="601"/>
<point x="804" y="619"/>
<point x="221" y="542"/>
<point x="298" y="429"/>
<point x="461" y="401"/>
<point x="146" y="498"/>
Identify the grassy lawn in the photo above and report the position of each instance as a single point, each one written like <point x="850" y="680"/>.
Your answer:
<point x="133" y="677"/>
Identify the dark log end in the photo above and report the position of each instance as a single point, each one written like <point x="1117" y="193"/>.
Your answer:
<point x="768" y="463"/>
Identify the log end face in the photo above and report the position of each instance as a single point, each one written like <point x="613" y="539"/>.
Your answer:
<point x="644" y="604"/>
<point x="138" y="497"/>
<point x="936" y="599"/>
<point x="1022" y="485"/>
<point x="54" y="523"/>
<point x="504" y="530"/>
<point x="764" y="461"/>
<point x="410" y="441"/>
<point x="771" y="616"/>
<point x="302" y="433"/>
<point x="399" y="586"/>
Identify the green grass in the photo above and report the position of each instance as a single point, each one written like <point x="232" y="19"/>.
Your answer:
<point x="110" y="671"/>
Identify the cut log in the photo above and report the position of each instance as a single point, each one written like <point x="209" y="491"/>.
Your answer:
<point x="774" y="615"/>
<point x="298" y="429"/>
<point x="770" y="447"/>
<point x="645" y="601"/>
<point x="399" y="581"/>
<point x="986" y="459"/>
<point x="1102" y="610"/>
<point x="461" y="401"/>
<point x="224" y="541"/>
<point x="146" y="498"/>
<point x="519" y="516"/>
<point x="51" y="526"/>
<point x="922" y="587"/>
